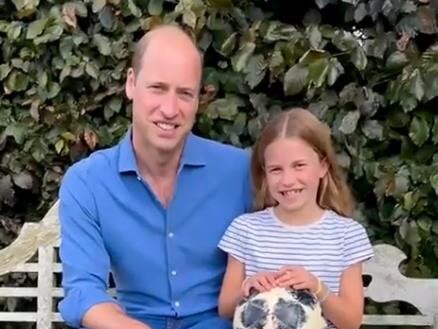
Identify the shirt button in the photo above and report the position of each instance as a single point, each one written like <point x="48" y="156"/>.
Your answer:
<point x="177" y="304"/>
<point x="173" y="272"/>
<point x="139" y="178"/>
<point x="171" y="235"/>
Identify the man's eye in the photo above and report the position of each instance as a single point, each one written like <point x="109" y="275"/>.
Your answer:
<point x="187" y="94"/>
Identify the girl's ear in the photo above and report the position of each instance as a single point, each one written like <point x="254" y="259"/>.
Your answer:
<point x="324" y="167"/>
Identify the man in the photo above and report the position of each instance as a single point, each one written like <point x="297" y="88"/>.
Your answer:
<point x="152" y="208"/>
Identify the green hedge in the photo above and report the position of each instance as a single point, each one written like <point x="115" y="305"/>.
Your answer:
<point x="368" y="68"/>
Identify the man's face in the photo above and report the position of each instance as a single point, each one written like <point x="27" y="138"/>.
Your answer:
<point x="165" y="94"/>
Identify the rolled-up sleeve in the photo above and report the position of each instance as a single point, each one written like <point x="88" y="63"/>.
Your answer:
<point x="84" y="259"/>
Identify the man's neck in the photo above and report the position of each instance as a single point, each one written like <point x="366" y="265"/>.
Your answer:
<point x="158" y="169"/>
<point x="155" y="163"/>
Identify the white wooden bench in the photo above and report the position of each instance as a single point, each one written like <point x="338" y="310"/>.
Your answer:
<point x="387" y="283"/>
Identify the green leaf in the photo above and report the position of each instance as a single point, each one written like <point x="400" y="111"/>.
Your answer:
<point x="17" y="131"/>
<point x="225" y="108"/>
<point x="419" y="130"/>
<point x="239" y="123"/>
<point x="318" y="71"/>
<point x="115" y="104"/>
<point x="295" y="79"/>
<point x="259" y="103"/>
<point x="240" y="59"/>
<point x="409" y="7"/>
<point x="345" y="41"/>
<point x="335" y="69"/>
<point x="434" y="183"/>
<point x="92" y="70"/>
<point x="377" y="47"/>
<point x="53" y="89"/>
<point x="315" y="36"/>
<point x="312" y="17"/>
<point x="14" y="30"/>
<point x="17" y="81"/>
<point x="322" y="3"/>
<point x="256" y="70"/>
<point x="435" y="131"/>
<point x="279" y="31"/>
<point x="5" y="69"/>
<point x="106" y="18"/>
<point x="425" y="224"/>
<point x="359" y="58"/>
<point x="360" y="12"/>
<point x="189" y="18"/>
<point x="426" y="19"/>
<point x="103" y="44"/>
<point x="353" y="2"/>
<point x="36" y="28"/>
<point x="155" y="7"/>
<point x="80" y="9"/>
<point x="6" y="191"/>
<point x="23" y="180"/>
<point x="408" y="103"/>
<point x="417" y="85"/>
<point x="98" y="5"/>
<point x="372" y="129"/>
<point x="133" y="8"/>
<point x="59" y="145"/>
<point x="396" y="60"/>
<point x="228" y="46"/>
<point x="28" y="5"/>
<point x="220" y="3"/>
<point x="409" y="200"/>
<point x="51" y="33"/>
<point x="349" y="122"/>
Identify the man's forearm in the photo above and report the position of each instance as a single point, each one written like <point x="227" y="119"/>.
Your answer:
<point x="109" y="316"/>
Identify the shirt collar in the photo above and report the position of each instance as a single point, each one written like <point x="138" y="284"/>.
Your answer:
<point x="192" y="154"/>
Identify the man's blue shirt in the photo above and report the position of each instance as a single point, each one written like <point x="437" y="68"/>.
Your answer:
<point x="164" y="261"/>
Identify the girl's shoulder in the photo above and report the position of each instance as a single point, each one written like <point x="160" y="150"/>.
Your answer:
<point x="335" y="220"/>
<point x="254" y="217"/>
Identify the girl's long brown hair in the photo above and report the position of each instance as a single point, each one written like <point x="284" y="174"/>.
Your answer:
<point x="333" y="191"/>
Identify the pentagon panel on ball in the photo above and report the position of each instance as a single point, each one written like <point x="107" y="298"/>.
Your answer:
<point x="279" y="308"/>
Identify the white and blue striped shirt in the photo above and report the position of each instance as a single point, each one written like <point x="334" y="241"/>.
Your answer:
<point x="325" y="248"/>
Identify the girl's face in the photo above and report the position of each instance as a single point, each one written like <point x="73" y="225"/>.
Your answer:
<point x="293" y="171"/>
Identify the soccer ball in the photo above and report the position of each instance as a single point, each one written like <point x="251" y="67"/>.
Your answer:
<point x="279" y="308"/>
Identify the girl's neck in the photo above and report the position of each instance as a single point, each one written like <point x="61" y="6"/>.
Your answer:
<point x="299" y="217"/>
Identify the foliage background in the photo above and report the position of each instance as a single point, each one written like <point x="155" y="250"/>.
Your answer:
<point x="368" y="68"/>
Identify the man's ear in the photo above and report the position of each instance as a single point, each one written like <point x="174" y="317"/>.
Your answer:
<point x="130" y="83"/>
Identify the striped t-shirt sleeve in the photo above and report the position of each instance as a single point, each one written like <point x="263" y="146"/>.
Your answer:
<point x="234" y="239"/>
<point x="357" y="246"/>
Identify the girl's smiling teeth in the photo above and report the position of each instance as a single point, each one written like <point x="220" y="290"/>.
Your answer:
<point x="290" y="193"/>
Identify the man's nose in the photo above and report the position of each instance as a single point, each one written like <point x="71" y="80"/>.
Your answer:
<point x="169" y="105"/>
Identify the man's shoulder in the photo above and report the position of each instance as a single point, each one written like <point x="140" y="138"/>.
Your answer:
<point x="98" y="162"/>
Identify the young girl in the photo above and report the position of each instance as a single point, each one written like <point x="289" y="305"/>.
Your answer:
<point x="301" y="235"/>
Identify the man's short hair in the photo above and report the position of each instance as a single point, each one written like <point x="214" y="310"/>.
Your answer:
<point x="141" y="46"/>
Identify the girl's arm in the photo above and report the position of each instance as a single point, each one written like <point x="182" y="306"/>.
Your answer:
<point x="346" y="309"/>
<point x="231" y="291"/>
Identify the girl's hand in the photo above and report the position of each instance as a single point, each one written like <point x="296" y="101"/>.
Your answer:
<point x="297" y="278"/>
<point x="262" y="282"/>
